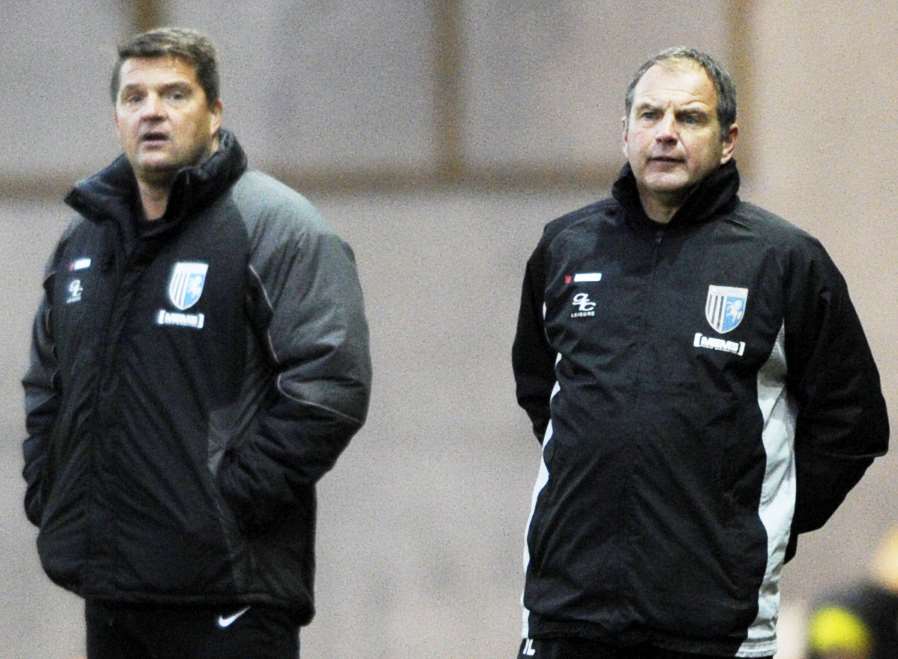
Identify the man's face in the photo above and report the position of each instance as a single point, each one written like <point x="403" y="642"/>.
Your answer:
<point x="672" y="134"/>
<point x="162" y="117"/>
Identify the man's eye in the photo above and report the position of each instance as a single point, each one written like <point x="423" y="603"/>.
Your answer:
<point x="177" y="95"/>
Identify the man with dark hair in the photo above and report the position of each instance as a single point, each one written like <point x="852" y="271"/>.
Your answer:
<point x="199" y="360"/>
<point x="177" y="42"/>
<point x="701" y="387"/>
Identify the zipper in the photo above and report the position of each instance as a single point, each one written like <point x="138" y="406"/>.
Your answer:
<point x="631" y="537"/>
<point x="111" y="266"/>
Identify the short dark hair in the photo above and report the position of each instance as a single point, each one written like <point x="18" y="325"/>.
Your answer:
<point x="183" y="43"/>
<point x="723" y="83"/>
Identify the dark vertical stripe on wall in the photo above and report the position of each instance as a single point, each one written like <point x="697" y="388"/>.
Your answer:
<point x="448" y="93"/>
<point x="148" y="14"/>
<point x="743" y="40"/>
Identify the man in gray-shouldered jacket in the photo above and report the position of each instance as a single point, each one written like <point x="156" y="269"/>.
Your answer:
<point x="199" y="360"/>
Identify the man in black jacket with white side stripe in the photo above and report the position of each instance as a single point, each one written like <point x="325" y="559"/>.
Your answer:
<point x="701" y="388"/>
<point x="199" y="360"/>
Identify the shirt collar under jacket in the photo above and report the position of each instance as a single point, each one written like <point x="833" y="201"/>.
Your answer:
<point x="111" y="193"/>
<point x="716" y="193"/>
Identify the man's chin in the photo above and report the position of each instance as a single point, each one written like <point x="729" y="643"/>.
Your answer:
<point x="666" y="182"/>
<point x="155" y="173"/>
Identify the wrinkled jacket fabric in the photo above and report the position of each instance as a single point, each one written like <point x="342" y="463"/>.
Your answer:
<point x="191" y="379"/>
<point x="703" y="393"/>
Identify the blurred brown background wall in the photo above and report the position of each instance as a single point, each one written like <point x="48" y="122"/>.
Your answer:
<point x="439" y="137"/>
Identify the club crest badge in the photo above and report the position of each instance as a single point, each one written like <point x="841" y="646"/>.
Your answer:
<point x="186" y="284"/>
<point x="725" y="307"/>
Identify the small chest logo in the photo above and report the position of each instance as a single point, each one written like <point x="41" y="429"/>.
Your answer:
<point x="725" y="307"/>
<point x="586" y="308"/>
<point x="583" y="277"/>
<point x="75" y="289"/>
<point x="82" y="263"/>
<point x="184" y="290"/>
<point x="186" y="284"/>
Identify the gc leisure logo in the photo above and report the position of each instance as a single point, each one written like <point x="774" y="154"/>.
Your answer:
<point x="585" y="305"/>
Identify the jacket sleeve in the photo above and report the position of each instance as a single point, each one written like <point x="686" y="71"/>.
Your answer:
<point x="842" y="423"/>
<point x="42" y="395"/>
<point x="317" y="336"/>
<point x="533" y="360"/>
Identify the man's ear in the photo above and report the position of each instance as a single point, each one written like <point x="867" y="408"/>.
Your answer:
<point x="729" y="144"/>
<point x="217" y="109"/>
<point x="624" y="136"/>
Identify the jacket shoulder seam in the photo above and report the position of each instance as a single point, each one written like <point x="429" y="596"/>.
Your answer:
<point x="270" y="306"/>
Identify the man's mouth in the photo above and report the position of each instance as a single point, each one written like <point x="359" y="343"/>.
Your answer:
<point x="665" y="159"/>
<point x="153" y="138"/>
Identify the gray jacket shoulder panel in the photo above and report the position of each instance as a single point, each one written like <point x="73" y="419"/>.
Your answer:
<point x="267" y="205"/>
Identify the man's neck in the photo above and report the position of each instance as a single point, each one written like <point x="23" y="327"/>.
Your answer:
<point x="659" y="214"/>
<point x="153" y="199"/>
<point x="661" y="208"/>
<point x="154" y="194"/>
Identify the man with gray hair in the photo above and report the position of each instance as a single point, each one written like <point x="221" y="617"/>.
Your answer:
<point x="701" y="388"/>
<point x="199" y="360"/>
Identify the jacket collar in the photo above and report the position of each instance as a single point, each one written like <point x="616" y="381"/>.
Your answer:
<point x="111" y="193"/>
<point x="716" y="193"/>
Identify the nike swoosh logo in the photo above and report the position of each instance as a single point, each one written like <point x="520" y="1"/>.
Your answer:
<point x="227" y="621"/>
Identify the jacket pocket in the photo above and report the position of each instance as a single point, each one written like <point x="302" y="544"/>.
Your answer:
<point x="226" y="517"/>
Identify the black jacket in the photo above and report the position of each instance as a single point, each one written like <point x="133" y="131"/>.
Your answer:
<point x="693" y="385"/>
<point x="191" y="379"/>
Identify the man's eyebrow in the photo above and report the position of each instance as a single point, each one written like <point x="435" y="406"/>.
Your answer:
<point x="168" y="86"/>
<point x="694" y="109"/>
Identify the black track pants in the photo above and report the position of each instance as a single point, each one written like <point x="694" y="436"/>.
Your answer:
<point x="578" y="648"/>
<point x="119" y="631"/>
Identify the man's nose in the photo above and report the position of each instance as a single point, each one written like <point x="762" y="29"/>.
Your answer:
<point x="152" y="107"/>
<point x="666" y="128"/>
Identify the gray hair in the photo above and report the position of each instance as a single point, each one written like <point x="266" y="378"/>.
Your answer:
<point x="723" y="83"/>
